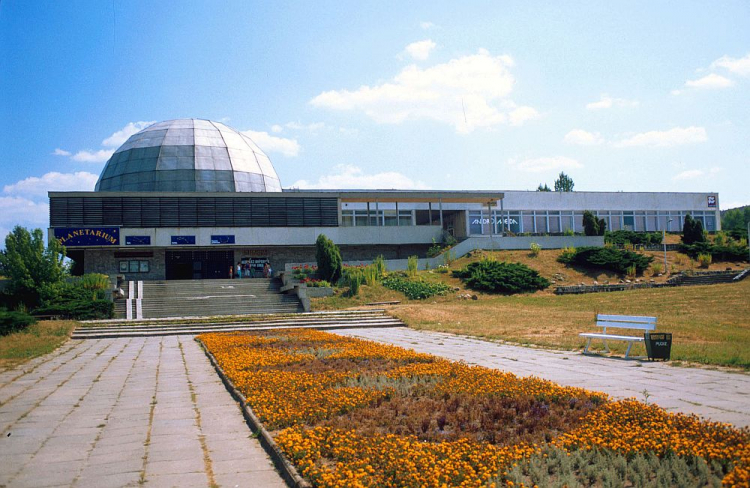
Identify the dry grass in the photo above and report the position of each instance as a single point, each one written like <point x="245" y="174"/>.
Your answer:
<point x="711" y="324"/>
<point x="36" y="340"/>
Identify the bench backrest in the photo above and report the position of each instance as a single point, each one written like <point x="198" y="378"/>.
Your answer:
<point x="626" y="322"/>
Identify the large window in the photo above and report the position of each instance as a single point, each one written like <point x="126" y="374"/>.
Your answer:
<point x="362" y="218"/>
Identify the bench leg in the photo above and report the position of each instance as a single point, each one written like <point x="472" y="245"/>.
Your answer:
<point x="588" y="343"/>
<point x="627" y="353"/>
<point x="606" y="347"/>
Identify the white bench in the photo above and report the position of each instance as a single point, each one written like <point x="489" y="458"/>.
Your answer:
<point x="646" y="324"/>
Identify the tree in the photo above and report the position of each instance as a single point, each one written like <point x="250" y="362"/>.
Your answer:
<point x="590" y="224"/>
<point x="692" y="231"/>
<point x="328" y="256"/>
<point x="564" y="183"/>
<point x="543" y="188"/>
<point x="602" y="226"/>
<point x="736" y="218"/>
<point x="29" y="266"/>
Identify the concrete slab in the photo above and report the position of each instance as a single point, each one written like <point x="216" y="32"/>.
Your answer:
<point x="123" y="412"/>
<point x="716" y="395"/>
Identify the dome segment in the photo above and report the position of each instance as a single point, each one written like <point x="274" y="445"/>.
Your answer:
<point x="189" y="155"/>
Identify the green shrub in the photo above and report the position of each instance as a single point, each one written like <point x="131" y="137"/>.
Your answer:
<point x="611" y="258"/>
<point x="412" y="264"/>
<point x="535" y="249"/>
<point x="732" y="251"/>
<point x="380" y="267"/>
<point x="704" y="259"/>
<point x="328" y="256"/>
<point x="415" y="289"/>
<point x="621" y="237"/>
<point x="501" y="277"/>
<point x="79" y="309"/>
<point x="569" y="232"/>
<point x="657" y="268"/>
<point x="353" y="277"/>
<point x="692" y="231"/>
<point x="14" y="321"/>
<point x="590" y="224"/>
<point x="435" y="249"/>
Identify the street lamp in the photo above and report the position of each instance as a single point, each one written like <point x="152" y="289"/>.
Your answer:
<point x="664" y="241"/>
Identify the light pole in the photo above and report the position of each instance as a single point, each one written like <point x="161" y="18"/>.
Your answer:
<point x="664" y="241"/>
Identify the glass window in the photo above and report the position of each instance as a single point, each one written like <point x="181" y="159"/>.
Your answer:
<point x="347" y="218"/>
<point x="710" y="222"/>
<point x="628" y="221"/>
<point x="123" y="266"/>
<point x="390" y="218"/>
<point x="513" y="223"/>
<point x="541" y="222"/>
<point x="404" y="217"/>
<point x="134" y="267"/>
<point x="143" y="266"/>
<point x="554" y="222"/>
<point x="475" y="223"/>
<point x="528" y="222"/>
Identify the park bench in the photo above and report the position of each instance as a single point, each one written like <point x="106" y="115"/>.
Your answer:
<point x="646" y="324"/>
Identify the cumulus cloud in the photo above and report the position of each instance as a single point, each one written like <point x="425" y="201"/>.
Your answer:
<point x="738" y="66"/>
<point x="467" y="92"/>
<point x="312" y="127"/>
<point x="118" y="138"/>
<point x="276" y="128"/>
<point x="352" y="177"/>
<point x="694" y="174"/>
<point x="61" y="152"/>
<point x="420" y="50"/>
<point x="673" y="137"/>
<point x="545" y="165"/>
<point x="521" y="115"/>
<point x="711" y="82"/>
<point x="286" y="147"/>
<point x="93" y="156"/>
<point x="583" y="138"/>
<point x="605" y="101"/>
<point x="54" y="181"/>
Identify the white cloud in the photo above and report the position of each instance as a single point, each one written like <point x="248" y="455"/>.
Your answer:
<point x="118" y="138"/>
<point x="427" y="25"/>
<point x="93" y="156"/>
<point x="276" y="128"/>
<point x="24" y="212"/>
<point x="738" y="66"/>
<point x="287" y="147"/>
<point x="61" y="152"/>
<point x="673" y="137"/>
<point x="710" y="82"/>
<point x="521" y="115"/>
<point x="312" y="127"/>
<point x="583" y="138"/>
<point x="467" y="93"/>
<point x="352" y="177"/>
<point x="54" y="181"/>
<point x="545" y="165"/>
<point x="694" y="174"/>
<point x="605" y="101"/>
<point x="420" y="50"/>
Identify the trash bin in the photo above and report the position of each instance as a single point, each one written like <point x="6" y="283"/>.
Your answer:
<point x="658" y="345"/>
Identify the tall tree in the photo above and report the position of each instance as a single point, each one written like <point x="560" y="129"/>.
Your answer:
<point x="692" y="231"/>
<point x="543" y="188"/>
<point x="328" y="256"/>
<point x="29" y="266"/>
<point x="590" y="224"/>
<point x="564" y="183"/>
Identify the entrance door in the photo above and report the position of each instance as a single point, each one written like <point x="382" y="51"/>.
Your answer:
<point x="198" y="265"/>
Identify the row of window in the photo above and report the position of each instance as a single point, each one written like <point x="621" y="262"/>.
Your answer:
<point x="361" y="218"/>
<point x="551" y="222"/>
<point x="134" y="266"/>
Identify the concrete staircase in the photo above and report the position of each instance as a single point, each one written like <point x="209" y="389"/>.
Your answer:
<point x="162" y="327"/>
<point x="707" y="278"/>
<point x="190" y="298"/>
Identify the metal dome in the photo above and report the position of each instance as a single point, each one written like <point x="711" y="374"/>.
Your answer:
<point x="189" y="155"/>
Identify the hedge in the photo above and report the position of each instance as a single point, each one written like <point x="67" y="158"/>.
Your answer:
<point x="14" y="321"/>
<point x="611" y="258"/>
<point x="501" y="277"/>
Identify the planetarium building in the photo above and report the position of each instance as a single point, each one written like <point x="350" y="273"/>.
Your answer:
<point x="189" y="198"/>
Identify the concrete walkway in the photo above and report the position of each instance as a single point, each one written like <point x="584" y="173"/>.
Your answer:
<point x="716" y="395"/>
<point x="124" y="412"/>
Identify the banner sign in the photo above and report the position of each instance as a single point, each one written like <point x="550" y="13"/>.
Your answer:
<point x="88" y="236"/>
<point x="183" y="240"/>
<point x="137" y="240"/>
<point x="228" y="239"/>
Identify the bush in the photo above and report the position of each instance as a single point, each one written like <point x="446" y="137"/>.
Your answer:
<point x="692" y="231"/>
<point x="590" y="224"/>
<point x="704" y="260"/>
<point x="657" y="268"/>
<point x="412" y="264"/>
<point x="328" y="256"/>
<point x="611" y="258"/>
<point x="732" y="251"/>
<point x="79" y="309"/>
<point x="415" y="289"/>
<point x="535" y="249"/>
<point x="622" y="237"/>
<point x="501" y="277"/>
<point x="304" y="272"/>
<point x="14" y="321"/>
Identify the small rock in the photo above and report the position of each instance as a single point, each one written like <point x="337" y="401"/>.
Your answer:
<point x="628" y="281"/>
<point x="596" y="282"/>
<point x="455" y="288"/>
<point x="474" y="297"/>
<point x="553" y="282"/>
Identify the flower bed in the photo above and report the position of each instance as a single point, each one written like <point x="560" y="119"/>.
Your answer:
<point x="349" y="412"/>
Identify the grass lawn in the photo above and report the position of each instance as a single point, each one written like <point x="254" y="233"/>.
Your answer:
<point x="711" y="324"/>
<point x="36" y="340"/>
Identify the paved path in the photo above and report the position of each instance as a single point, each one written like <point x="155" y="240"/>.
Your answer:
<point x="121" y="412"/>
<point x="716" y="395"/>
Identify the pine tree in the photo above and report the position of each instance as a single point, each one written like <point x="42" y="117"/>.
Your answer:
<point x="590" y="224"/>
<point x="564" y="183"/>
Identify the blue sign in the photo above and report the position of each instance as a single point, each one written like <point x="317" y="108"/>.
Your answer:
<point x="183" y="240"/>
<point x="88" y="236"/>
<point x="222" y="239"/>
<point x="137" y="240"/>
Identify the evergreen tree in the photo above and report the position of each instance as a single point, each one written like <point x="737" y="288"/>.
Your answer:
<point x="692" y="231"/>
<point x="328" y="256"/>
<point x="602" y="226"/>
<point x="564" y="183"/>
<point x="543" y="188"/>
<point x="590" y="224"/>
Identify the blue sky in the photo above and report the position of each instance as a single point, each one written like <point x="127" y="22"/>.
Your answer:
<point x="622" y="96"/>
